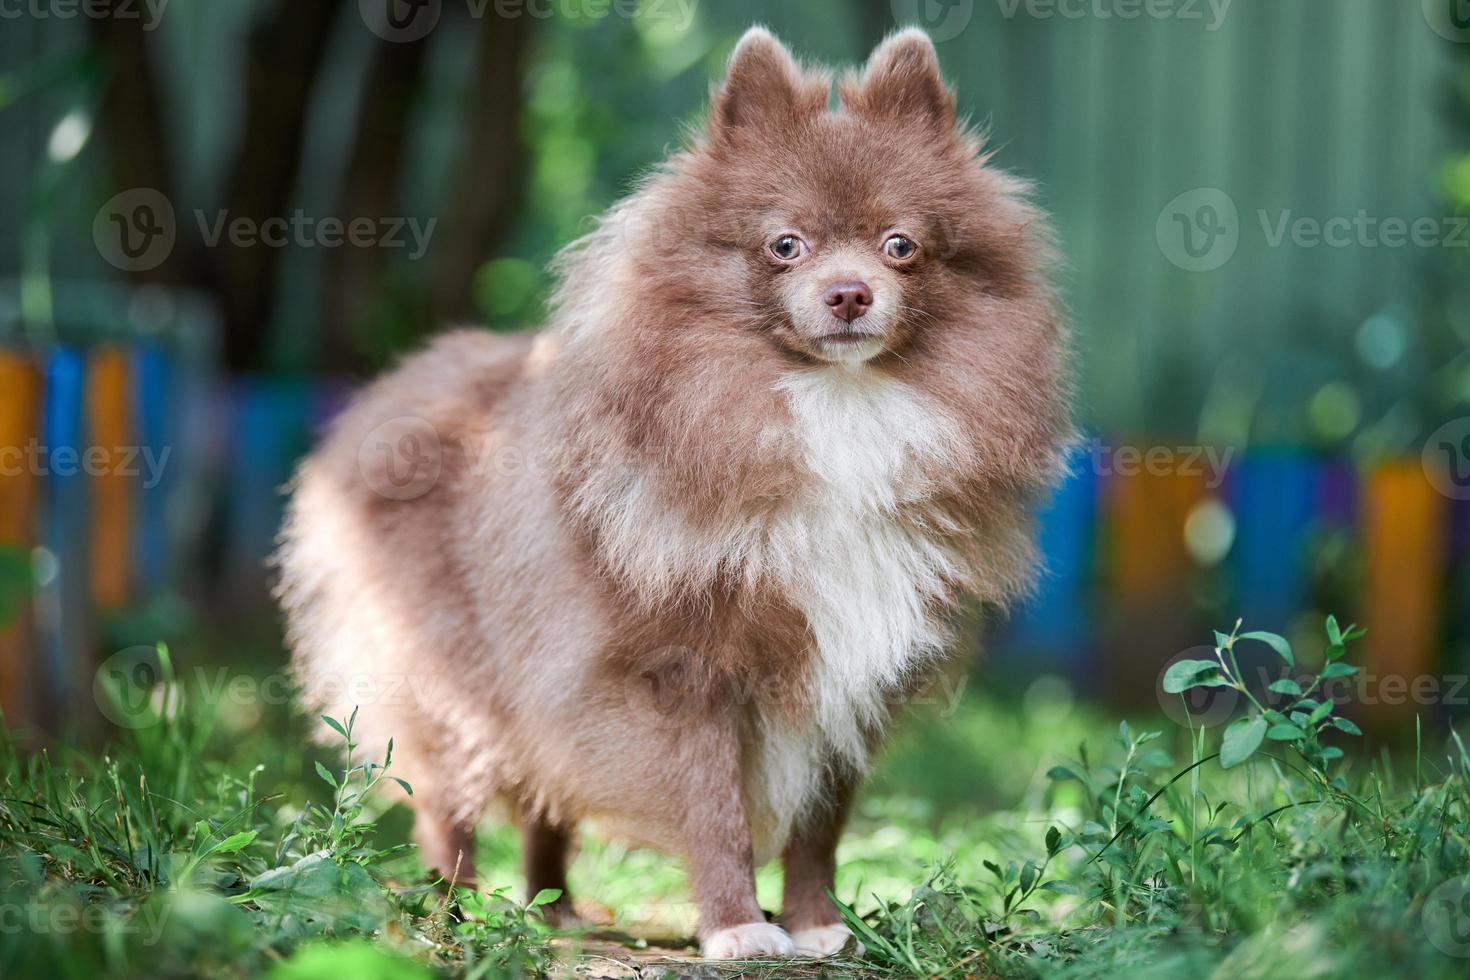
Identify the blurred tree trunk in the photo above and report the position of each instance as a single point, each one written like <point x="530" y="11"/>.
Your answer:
<point x="130" y="118"/>
<point x="283" y="61"/>
<point x="355" y="283"/>
<point x="474" y="212"/>
<point x="285" y="58"/>
<point x="487" y="183"/>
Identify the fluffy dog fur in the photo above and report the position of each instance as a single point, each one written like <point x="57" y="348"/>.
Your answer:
<point x="670" y="563"/>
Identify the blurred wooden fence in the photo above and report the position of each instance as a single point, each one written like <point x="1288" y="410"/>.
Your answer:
<point x="1298" y="110"/>
<point x="1144" y="564"/>
<point x="140" y="474"/>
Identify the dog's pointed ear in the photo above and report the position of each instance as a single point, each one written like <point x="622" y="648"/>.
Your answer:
<point x="902" y="78"/>
<point x="763" y="86"/>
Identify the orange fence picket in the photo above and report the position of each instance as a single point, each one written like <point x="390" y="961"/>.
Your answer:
<point x="1405" y="535"/>
<point x="1147" y="614"/>
<point x="112" y="467"/>
<point x="19" y="393"/>
<point x="1146" y="513"/>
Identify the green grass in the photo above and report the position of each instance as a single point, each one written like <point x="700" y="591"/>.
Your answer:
<point x="1026" y="838"/>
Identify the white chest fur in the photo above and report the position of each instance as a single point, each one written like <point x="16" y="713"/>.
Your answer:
<point x="865" y="581"/>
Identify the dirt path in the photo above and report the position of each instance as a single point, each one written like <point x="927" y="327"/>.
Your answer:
<point x="593" y="958"/>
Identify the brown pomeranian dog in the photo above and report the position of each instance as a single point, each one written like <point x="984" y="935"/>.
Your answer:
<point x="671" y="563"/>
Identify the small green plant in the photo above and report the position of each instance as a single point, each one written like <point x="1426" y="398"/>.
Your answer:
<point x="341" y="830"/>
<point x="502" y="937"/>
<point x="1300" y="722"/>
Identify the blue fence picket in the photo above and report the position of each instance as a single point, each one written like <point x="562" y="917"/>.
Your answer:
<point x="1052" y="629"/>
<point x="61" y="621"/>
<point x="157" y="443"/>
<point x="1275" y="498"/>
<point x="272" y="424"/>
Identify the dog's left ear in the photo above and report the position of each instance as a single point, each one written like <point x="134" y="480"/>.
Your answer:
<point x="902" y="78"/>
<point x="764" y="87"/>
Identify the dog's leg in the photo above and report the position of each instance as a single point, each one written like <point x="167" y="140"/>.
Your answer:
<point x="446" y="843"/>
<point x="718" y="845"/>
<point x="544" y="847"/>
<point x="810" y="861"/>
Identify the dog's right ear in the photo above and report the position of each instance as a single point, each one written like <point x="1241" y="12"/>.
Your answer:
<point x="763" y="87"/>
<point x="903" y="80"/>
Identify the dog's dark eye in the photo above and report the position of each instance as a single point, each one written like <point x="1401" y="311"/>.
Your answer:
<point x="787" y="248"/>
<point x="900" y="247"/>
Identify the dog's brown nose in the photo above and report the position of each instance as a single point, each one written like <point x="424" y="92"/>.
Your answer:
<point x="849" y="300"/>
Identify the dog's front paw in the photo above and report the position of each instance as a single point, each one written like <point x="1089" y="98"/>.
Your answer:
<point x="825" y="941"/>
<point x="750" y="941"/>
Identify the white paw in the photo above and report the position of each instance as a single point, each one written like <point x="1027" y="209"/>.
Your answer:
<point x="825" y="941"/>
<point x="750" y="941"/>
